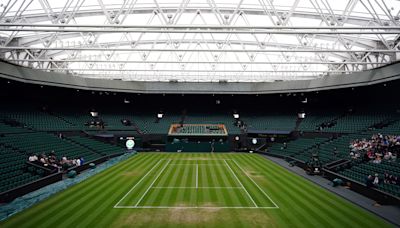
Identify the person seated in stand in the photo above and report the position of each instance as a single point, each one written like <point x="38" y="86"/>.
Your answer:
<point x="42" y="160"/>
<point x="78" y="162"/>
<point x="370" y="154"/>
<point x="357" y="155"/>
<point x="31" y="159"/>
<point x="395" y="180"/>
<point x="352" y="155"/>
<point x="386" y="178"/>
<point x="376" y="180"/>
<point x="368" y="181"/>
<point x="387" y="156"/>
<point x="377" y="160"/>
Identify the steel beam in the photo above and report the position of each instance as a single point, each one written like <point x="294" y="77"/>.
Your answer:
<point x="197" y="50"/>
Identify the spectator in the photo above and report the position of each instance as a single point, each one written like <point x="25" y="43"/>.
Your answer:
<point x="376" y="180"/>
<point x="395" y="180"/>
<point x="369" y="180"/>
<point x="386" y="178"/>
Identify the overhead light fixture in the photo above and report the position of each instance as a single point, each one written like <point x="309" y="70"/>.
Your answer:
<point x="93" y="113"/>
<point x="301" y="115"/>
<point x="236" y="115"/>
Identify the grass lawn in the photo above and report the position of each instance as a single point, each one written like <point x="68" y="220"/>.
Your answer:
<point x="195" y="189"/>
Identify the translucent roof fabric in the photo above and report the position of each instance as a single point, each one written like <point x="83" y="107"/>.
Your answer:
<point x="200" y="40"/>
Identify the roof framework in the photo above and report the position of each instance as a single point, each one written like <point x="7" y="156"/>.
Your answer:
<point x="200" y="40"/>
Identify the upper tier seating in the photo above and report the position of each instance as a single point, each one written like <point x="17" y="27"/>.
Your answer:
<point x="35" y="119"/>
<point x="268" y="121"/>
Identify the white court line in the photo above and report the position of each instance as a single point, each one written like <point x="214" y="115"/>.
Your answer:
<point x="183" y="159"/>
<point x="138" y="182"/>
<point x="241" y="184"/>
<point x="197" y="187"/>
<point x="255" y="184"/>
<point x="221" y="164"/>
<point x="152" y="183"/>
<point x="197" y="176"/>
<point x="191" y="207"/>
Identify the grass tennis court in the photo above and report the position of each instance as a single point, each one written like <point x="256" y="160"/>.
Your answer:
<point x="195" y="190"/>
<point x="192" y="183"/>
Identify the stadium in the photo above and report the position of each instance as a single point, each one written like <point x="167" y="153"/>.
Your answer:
<point x="199" y="113"/>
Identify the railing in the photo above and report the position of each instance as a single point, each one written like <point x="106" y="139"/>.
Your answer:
<point x="373" y="193"/>
<point x="11" y="194"/>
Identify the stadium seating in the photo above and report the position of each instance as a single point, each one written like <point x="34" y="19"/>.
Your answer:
<point x="13" y="169"/>
<point x="270" y="121"/>
<point x="360" y="171"/>
<point x="315" y="118"/>
<point x="97" y="146"/>
<point x="296" y="147"/>
<point x="40" y="142"/>
<point x="5" y="128"/>
<point x="30" y="117"/>
<point x="326" y="148"/>
<point x="214" y="118"/>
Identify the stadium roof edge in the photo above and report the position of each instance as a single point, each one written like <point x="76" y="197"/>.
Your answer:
<point x="33" y="76"/>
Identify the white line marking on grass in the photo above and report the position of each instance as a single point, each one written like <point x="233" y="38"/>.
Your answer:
<point x="152" y="183"/>
<point x="217" y="187"/>
<point x="197" y="176"/>
<point x="252" y="200"/>
<point x="191" y="207"/>
<point x="190" y="159"/>
<point x="138" y="182"/>
<point x="220" y="164"/>
<point x="255" y="184"/>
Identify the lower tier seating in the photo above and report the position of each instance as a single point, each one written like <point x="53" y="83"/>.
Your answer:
<point x="359" y="172"/>
<point x="13" y="171"/>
